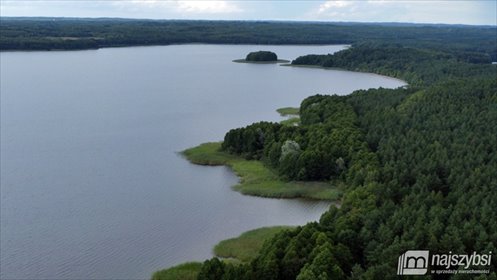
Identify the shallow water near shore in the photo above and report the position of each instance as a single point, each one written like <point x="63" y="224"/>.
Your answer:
<point x="92" y="186"/>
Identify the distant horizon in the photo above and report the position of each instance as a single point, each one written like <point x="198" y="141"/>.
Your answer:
<point x="474" y="12"/>
<point x="250" y="20"/>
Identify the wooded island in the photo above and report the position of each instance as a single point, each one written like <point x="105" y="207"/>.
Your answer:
<point x="261" y="56"/>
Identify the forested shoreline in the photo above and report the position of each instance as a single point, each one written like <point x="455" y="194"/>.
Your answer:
<point x="419" y="164"/>
<point x="31" y="33"/>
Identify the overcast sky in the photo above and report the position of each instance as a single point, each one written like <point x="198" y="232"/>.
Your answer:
<point x="419" y="11"/>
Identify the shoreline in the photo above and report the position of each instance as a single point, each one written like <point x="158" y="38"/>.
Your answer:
<point x="236" y="250"/>
<point x="243" y="60"/>
<point x="209" y="154"/>
<point x="345" y="46"/>
<point x="344" y="70"/>
<point x="258" y="180"/>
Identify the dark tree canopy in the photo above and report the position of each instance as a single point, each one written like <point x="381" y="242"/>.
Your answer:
<point x="261" y="56"/>
<point x="471" y="43"/>
<point x="419" y="165"/>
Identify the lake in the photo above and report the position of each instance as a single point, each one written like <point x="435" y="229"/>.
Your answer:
<point x="92" y="186"/>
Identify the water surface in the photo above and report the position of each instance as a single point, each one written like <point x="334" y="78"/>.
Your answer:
<point x="92" y="186"/>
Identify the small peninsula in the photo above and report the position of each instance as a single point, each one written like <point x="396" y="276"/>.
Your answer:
<point x="256" y="179"/>
<point x="261" y="57"/>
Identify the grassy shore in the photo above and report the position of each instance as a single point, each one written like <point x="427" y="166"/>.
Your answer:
<point x="295" y="121"/>
<point x="292" y="114"/>
<point x="288" y="111"/>
<point x="185" y="271"/>
<point x="258" y="180"/>
<point x="245" y="247"/>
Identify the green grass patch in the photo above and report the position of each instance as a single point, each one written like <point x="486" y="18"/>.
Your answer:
<point x="292" y="189"/>
<point x="185" y="271"/>
<point x="288" y="111"/>
<point x="208" y="154"/>
<point x="291" y="121"/>
<point x="292" y="113"/>
<point x="258" y="180"/>
<point x="241" y="249"/>
<point x="246" y="246"/>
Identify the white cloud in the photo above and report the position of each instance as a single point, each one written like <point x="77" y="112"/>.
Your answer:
<point x="216" y="7"/>
<point x="428" y="11"/>
<point x="159" y="9"/>
<point x="333" y="4"/>
<point x="183" y="6"/>
<point x="434" y="11"/>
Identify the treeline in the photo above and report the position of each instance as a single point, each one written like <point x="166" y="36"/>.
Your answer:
<point x="327" y="145"/>
<point x="261" y="56"/>
<point x="433" y="188"/>
<point x="73" y="33"/>
<point x="428" y="178"/>
<point x="417" y="66"/>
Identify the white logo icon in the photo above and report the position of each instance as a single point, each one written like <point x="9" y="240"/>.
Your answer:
<point x="413" y="262"/>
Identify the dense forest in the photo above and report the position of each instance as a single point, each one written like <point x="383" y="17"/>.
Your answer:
<point x="261" y="56"/>
<point x="325" y="146"/>
<point x="86" y="33"/>
<point x="418" y="66"/>
<point x="420" y="165"/>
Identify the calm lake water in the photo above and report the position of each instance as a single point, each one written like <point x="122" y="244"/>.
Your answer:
<point x="92" y="186"/>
